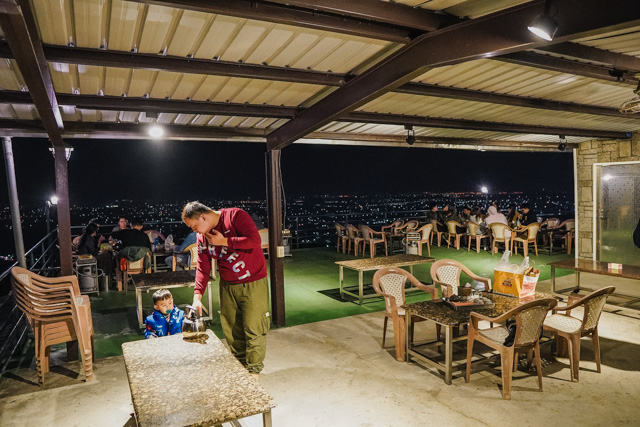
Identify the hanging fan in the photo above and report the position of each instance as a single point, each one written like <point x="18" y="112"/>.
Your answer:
<point x="632" y="105"/>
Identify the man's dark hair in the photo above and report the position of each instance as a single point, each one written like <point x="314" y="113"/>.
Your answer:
<point x="161" y="295"/>
<point x="525" y="206"/>
<point x="194" y="209"/>
<point x="136" y="222"/>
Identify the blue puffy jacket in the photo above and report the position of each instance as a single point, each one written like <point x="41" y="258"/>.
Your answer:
<point x="157" y="325"/>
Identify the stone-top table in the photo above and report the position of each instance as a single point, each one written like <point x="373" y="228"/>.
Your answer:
<point x="175" y="382"/>
<point x="580" y="265"/>
<point x="369" y="264"/>
<point x="167" y="280"/>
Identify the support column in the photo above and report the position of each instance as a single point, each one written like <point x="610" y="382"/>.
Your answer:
<point x="64" y="217"/>
<point x="13" y="201"/>
<point x="274" y="208"/>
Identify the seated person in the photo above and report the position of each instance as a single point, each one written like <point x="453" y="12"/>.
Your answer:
<point x="132" y="236"/>
<point x="513" y="216"/>
<point x="122" y="225"/>
<point x="167" y="317"/>
<point x="493" y="216"/>
<point x="527" y="217"/>
<point x="177" y="250"/>
<point x="465" y="215"/>
<point x="88" y="245"/>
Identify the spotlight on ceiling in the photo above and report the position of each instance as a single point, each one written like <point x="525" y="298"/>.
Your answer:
<point x="563" y="143"/>
<point x="544" y="26"/>
<point x="411" y="134"/>
<point x="156" y="131"/>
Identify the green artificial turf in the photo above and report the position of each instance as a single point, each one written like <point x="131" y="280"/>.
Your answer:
<point x="308" y="273"/>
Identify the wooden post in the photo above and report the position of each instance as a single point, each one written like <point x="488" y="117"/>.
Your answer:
<point x="64" y="218"/>
<point x="276" y="264"/>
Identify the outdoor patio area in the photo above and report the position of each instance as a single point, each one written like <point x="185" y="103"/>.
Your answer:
<point x="327" y="367"/>
<point x="334" y="372"/>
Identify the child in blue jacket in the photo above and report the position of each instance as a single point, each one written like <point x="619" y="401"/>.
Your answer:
<point x="166" y="319"/>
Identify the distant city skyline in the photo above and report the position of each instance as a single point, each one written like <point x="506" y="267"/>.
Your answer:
<point x="148" y="170"/>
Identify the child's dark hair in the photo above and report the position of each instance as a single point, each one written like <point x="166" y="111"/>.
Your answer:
<point x="161" y="295"/>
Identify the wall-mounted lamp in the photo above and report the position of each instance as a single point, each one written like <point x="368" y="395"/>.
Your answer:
<point x="156" y="131"/>
<point x="411" y="134"/>
<point x="563" y="143"/>
<point x="544" y="26"/>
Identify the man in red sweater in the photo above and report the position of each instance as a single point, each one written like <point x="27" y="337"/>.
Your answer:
<point x="231" y="238"/>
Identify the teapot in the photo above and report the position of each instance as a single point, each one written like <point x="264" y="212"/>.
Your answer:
<point x="192" y="324"/>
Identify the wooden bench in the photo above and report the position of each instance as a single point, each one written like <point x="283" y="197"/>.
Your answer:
<point x="175" y="382"/>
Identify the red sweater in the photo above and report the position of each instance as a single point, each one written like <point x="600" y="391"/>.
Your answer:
<point x="241" y="261"/>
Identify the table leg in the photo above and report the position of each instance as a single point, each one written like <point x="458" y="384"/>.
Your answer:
<point x="155" y="263"/>
<point x="448" y="354"/>
<point x="266" y="419"/>
<point x="577" y="280"/>
<point x="341" y="281"/>
<point x="553" y="277"/>
<point x="210" y="300"/>
<point x="361" y="285"/>
<point x="407" y="322"/>
<point x="139" y="306"/>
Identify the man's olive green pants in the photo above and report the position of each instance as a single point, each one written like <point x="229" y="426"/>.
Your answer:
<point x="245" y="318"/>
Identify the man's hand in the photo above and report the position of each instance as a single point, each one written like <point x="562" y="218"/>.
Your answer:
<point x="197" y="303"/>
<point x="215" y="238"/>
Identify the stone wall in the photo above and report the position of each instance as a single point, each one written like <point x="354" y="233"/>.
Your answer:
<point x="591" y="152"/>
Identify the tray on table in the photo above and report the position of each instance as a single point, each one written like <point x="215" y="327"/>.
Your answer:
<point x="467" y="305"/>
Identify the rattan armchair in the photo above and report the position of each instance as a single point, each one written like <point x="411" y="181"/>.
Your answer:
<point x="528" y="318"/>
<point x="499" y="235"/>
<point x="391" y="228"/>
<point x="455" y="231"/>
<point x="57" y="313"/>
<point x="408" y="226"/>
<point x="425" y="237"/>
<point x="389" y="282"/>
<point x="353" y="236"/>
<point x="572" y="328"/>
<point x="446" y="273"/>
<point x="473" y="231"/>
<point x="192" y="251"/>
<point x="341" y="233"/>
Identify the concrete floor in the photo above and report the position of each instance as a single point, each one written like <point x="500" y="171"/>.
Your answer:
<point x="334" y="373"/>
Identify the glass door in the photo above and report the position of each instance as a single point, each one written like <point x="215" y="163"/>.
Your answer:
<point x="617" y="212"/>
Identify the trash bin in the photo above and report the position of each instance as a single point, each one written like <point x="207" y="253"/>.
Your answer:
<point x="87" y="273"/>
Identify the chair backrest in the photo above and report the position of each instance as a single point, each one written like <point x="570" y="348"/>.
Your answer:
<point x="152" y="234"/>
<point x="472" y="227"/>
<point x="135" y="267"/>
<point x="398" y="223"/>
<point x="569" y="224"/>
<point x="552" y="222"/>
<point x="451" y="227"/>
<point x="447" y="271"/>
<point x="352" y="231"/>
<point x="497" y="230"/>
<point x="367" y="232"/>
<point x="193" y="253"/>
<point x="264" y="238"/>
<point x="340" y="229"/>
<point x="529" y="318"/>
<point x="411" y="225"/>
<point x="390" y="281"/>
<point x="425" y="232"/>
<point x="593" y="305"/>
<point x="42" y="300"/>
<point x="532" y="231"/>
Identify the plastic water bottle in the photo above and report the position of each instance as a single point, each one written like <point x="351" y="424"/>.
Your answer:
<point x="155" y="244"/>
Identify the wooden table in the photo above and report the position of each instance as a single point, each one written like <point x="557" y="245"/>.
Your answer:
<point x="168" y="280"/>
<point x="580" y="265"/>
<point x="175" y="382"/>
<point x="439" y="313"/>
<point x="160" y="253"/>
<point x="370" y="264"/>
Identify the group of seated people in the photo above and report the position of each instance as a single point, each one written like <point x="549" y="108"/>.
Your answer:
<point x="126" y="242"/>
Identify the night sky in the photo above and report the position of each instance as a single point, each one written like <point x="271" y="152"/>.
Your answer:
<point x="105" y="170"/>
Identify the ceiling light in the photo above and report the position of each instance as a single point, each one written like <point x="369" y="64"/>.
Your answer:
<point x="411" y="134"/>
<point x="544" y="26"/>
<point x="156" y="131"/>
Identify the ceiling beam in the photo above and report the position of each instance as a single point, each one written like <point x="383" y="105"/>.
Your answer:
<point x="617" y="61"/>
<point x="496" y="34"/>
<point x="144" y="105"/>
<point x="396" y="14"/>
<point x="210" y="67"/>
<point x="568" y="66"/>
<point x="18" y="26"/>
<point x="281" y="14"/>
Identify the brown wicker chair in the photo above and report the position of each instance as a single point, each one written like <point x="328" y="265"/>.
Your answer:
<point x="446" y="273"/>
<point x="372" y="238"/>
<point x="572" y="329"/>
<point x="57" y="313"/>
<point x="498" y="235"/>
<point x="391" y="228"/>
<point x="341" y="232"/>
<point x="529" y="318"/>
<point x="408" y="226"/>
<point x="455" y="231"/>
<point x="353" y="235"/>
<point x="264" y="240"/>
<point x="389" y="282"/>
